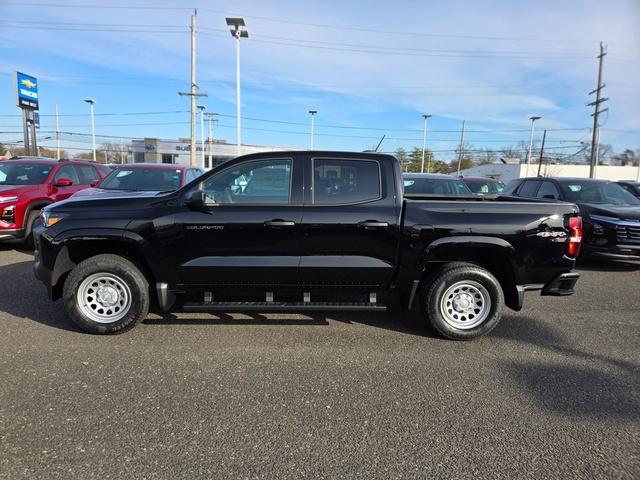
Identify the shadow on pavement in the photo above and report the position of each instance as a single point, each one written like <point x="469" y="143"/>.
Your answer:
<point x="605" y="387"/>
<point x="21" y="295"/>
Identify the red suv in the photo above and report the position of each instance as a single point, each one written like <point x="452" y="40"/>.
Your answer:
<point x="29" y="183"/>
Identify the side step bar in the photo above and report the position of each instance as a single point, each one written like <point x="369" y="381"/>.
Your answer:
<point x="282" y="306"/>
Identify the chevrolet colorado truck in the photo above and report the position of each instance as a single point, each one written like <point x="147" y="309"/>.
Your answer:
<point x="304" y="231"/>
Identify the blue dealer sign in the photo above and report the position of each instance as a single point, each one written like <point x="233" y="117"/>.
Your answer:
<point x="27" y="91"/>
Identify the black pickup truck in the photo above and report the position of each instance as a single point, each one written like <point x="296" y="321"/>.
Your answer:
<point x="304" y="231"/>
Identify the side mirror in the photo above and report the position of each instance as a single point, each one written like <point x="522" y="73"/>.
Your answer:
<point x="195" y="200"/>
<point x="63" y="182"/>
<point x="94" y="183"/>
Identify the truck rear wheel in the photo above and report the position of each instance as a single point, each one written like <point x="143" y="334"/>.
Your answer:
<point x="106" y="294"/>
<point x="463" y="301"/>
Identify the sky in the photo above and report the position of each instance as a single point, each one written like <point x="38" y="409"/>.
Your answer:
<point x="370" y="68"/>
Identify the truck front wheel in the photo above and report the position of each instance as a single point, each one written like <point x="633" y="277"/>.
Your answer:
<point x="106" y="294"/>
<point x="463" y="301"/>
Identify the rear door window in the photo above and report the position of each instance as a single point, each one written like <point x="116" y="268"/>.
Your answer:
<point x="338" y="181"/>
<point x="548" y="190"/>
<point x="528" y="188"/>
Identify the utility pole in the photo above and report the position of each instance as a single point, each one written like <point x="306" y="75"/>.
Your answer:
<point x="596" y="113"/>
<point x="424" y="141"/>
<point x="460" y="154"/>
<point x="57" y="134"/>
<point x="193" y="91"/>
<point x="313" y="116"/>
<point x="210" y="115"/>
<point x="201" y="108"/>
<point x="544" y="136"/>
<point x="91" y="103"/>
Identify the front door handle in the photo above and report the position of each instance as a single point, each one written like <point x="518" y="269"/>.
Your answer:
<point x="369" y="224"/>
<point x="279" y="223"/>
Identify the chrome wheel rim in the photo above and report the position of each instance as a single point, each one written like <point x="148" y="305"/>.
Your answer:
<point x="104" y="298"/>
<point x="465" y="305"/>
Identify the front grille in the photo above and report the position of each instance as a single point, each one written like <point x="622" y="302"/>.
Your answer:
<point x="628" y="233"/>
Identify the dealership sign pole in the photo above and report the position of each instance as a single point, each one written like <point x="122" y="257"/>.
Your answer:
<point x="27" y="100"/>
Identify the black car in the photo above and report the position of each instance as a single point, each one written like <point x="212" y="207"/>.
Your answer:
<point x="611" y="215"/>
<point x="631" y="186"/>
<point x="301" y="231"/>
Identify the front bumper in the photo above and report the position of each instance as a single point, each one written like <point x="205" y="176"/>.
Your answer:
<point x="560" y="285"/>
<point x="11" y="234"/>
<point x="618" y="252"/>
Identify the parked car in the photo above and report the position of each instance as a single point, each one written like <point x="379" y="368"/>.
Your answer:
<point x="483" y="185"/>
<point x="631" y="186"/>
<point x="610" y="213"/>
<point x="434" y="184"/>
<point x="307" y="231"/>
<point x="27" y="184"/>
<point x="143" y="177"/>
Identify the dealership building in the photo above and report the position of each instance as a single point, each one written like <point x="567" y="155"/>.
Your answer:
<point x="154" y="150"/>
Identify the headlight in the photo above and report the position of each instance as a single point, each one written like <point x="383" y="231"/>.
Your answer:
<point x="49" y="219"/>
<point x="8" y="199"/>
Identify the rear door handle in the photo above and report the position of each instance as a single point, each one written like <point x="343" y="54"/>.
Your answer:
<point x="279" y="223"/>
<point x="369" y="224"/>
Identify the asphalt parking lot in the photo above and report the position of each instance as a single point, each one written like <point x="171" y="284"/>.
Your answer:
<point x="553" y="392"/>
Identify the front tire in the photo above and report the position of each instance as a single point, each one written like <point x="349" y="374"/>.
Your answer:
<point x="106" y="294"/>
<point x="463" y="301"/>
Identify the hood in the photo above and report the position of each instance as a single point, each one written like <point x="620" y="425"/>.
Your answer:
<point x="16" y="190"/>
<point x="110" y="199"/>
<point x="623" y="213"/>
<point x="89" y="193"/>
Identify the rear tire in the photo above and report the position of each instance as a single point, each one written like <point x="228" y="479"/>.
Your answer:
<point x="462" y="301"/>
<point x="106" y="294"/>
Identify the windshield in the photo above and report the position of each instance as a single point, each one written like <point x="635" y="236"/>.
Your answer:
<point x="23" y="173"/>
<point x="142" y="179"/>
<point x="604" y="193"/>
<point x="484" y="186"/>
<point x="435" y="186"/>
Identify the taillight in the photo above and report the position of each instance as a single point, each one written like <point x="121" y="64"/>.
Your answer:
<point x="575" y="236"/>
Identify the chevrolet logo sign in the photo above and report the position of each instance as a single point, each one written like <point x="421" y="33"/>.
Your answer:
<point x="28" y="83"/>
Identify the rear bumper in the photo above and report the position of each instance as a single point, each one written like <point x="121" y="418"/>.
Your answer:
<point x="561" y="285"/>
<point x="11" y="235"/>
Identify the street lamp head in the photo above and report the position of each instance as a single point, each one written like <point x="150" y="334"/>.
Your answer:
<point x="235" y="21"/>
<point x="426" y="115"/>
<point x="201" y="107"/>
<point x="534" y="118"/>
<point x="90" y="101"/>
<point x="313" y="112"/>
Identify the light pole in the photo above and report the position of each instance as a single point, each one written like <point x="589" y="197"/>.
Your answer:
<point x="238" y="31"/>
<point x="533" y="121"/>
<point x="201" y="108"/>
<point x="313" y="115"/>
<point x="91" y="103"/>
<point x="424" y="141"/>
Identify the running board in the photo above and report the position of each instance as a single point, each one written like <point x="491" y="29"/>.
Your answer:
<point x="282" y="306"/>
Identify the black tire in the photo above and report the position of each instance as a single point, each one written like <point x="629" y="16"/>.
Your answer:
<point x="481" y="284"/>
<point x="131" y="279"/>
<point x="27" y="241"/>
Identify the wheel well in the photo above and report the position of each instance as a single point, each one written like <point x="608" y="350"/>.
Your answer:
<point x="494" y="261"/>
<point x="81" y="250"/>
